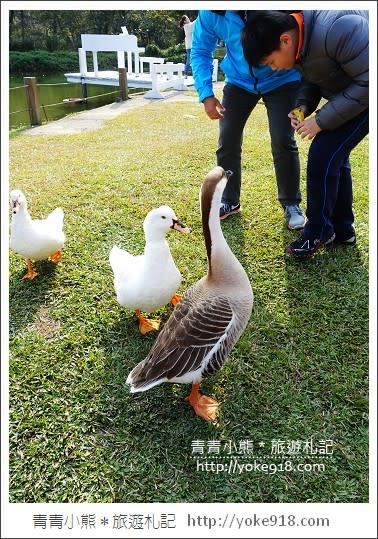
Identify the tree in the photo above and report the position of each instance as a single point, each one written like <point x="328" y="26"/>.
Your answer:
<point x="61" y="29"/>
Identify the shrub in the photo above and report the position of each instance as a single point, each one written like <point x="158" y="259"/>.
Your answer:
<point x="34" y="63"/>
<point x="171" y="54"/>
<point x="152" y="50"/>
<point x="41" y="62"/>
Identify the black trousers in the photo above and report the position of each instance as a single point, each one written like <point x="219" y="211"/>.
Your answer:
<point x="329" y="179"/>
<point x="239" y="104"/>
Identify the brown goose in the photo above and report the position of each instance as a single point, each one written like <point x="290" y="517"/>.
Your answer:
<point x="208" y="320"/>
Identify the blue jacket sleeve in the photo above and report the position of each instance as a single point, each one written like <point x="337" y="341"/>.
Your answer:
<point x="201" y="56"/>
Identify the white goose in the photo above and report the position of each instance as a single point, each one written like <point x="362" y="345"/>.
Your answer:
<point x="35" y="239"/>
<point x="148" y="282"/>
<point x="210" y="317"/>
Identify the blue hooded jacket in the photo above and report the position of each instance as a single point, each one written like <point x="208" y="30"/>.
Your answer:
<point x="211" y="27"/>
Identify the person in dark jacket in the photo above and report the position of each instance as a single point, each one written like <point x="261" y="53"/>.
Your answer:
<point x="243" y="90"/>
<point x="331" y="49"/>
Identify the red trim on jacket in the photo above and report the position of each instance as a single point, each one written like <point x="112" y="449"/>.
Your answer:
<point x="299" y="18"/>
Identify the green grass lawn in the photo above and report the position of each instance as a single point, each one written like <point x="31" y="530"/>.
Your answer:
<point x="298" y="374"/>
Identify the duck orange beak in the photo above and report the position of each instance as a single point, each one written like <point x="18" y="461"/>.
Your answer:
<point x="180" y="227"/>
<point x="15" y="205"/>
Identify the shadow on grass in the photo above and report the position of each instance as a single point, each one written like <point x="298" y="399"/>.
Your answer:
<point x="26" y="296"/>
<point x="284" y="380"/>
<point x="146" y="436"/>
<point x="327" y="299"/>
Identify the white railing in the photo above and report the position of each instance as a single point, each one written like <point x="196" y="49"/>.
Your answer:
<point x="165" y="76"/>
<point x="169" y="75"/>
<point x="162" y="75"/>
<point x="149" y="60"/>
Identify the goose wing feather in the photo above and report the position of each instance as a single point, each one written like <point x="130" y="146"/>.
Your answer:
<point x="193" y="334"/>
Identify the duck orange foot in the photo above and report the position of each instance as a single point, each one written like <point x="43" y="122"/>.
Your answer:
<point x="145" y="324"/>
<point x="31" y="273"/>
<point x="55" y="257"/>
<point x="204" y="406"/>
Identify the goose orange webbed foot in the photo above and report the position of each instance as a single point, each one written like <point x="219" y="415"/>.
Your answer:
<point x="175" y="299"/>
<point x="55" y="257"/>
<point x="204" y="406"/>
<point x="145" y="324"/>
<point x="31" y="273"/>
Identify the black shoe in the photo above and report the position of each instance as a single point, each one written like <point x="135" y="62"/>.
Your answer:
<point x="305" y="246"/>
<point x="228" y="209"/>
<point x="346" y="239"/>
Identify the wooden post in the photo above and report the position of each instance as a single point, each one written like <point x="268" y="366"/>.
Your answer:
<point x="123" y="87"/>
<point x="84" y="89"/>
<point x="32" y="100"/>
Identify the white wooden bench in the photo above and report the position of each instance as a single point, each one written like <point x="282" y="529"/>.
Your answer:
<point x="120" y="43"/>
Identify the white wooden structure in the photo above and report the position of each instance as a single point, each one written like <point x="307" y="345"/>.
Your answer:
<point x="159" y="76"/>
<point x="121" y="43"/>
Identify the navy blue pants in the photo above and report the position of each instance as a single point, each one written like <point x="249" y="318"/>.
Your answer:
<point x="329" y="179"/>
<point x="239" y="105"/>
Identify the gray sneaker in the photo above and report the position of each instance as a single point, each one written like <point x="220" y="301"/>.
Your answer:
<point x="294" y="217"/>
<point x="228" y="209"/>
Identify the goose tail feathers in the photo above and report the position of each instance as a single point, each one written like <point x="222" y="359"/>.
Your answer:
<point x="138" y="379"/>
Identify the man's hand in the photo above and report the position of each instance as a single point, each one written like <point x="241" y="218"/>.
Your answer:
<point x="213" y="108"/>
<point x="308" y="128"/>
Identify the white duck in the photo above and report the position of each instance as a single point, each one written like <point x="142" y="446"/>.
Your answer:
<point x="148" y="282"/>
<point x="35" y="239"/>
<point x="210" y="317"/>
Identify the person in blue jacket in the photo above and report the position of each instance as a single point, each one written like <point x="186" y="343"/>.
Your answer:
<point x="331" y="49"/>
<point x="243" y="88"/>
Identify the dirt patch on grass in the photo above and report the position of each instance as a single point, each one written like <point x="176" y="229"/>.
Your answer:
<point x="46" y="325"/>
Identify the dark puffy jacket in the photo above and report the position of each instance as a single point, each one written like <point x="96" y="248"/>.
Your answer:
<point x="334" y="61"/>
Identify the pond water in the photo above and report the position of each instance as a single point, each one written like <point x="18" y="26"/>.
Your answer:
<point x="52" y="90"/>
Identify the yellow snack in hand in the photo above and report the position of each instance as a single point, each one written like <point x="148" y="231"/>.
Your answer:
<point x="299" y="114"/>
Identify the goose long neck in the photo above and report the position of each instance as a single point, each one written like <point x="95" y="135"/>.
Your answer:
<point x="217" y="248"/>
